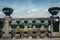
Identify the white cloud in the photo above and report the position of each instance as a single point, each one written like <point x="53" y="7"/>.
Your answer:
<point x="2" y="15"/>
<point x="46" y="10"/>
<point x="32" y="10"/>
<point x="38" y="12"/>
<point x="29" y="9"/>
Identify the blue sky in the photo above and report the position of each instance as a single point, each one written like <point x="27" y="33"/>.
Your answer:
<point x="29" y="8"/>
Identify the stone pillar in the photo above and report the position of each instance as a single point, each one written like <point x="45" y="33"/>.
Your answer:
<point x="6" y="29"/>
<point x="55" y="19"/>
<point x="55" y="34"/>
<point x="59" y="27"/>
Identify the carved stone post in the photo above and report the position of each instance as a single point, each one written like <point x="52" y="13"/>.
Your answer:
<point x="55" y="21"/>
<point x="7" y="29"/>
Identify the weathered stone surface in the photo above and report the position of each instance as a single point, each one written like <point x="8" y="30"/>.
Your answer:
<point x="42" y="28"/>
<point x="6" y="36"/>
<point x="33" y="39"/>
<point x="17" y="36"/>
<point x="43" y="35"/>
<point x="56" y="35"/>
<point x="6" y="29"/>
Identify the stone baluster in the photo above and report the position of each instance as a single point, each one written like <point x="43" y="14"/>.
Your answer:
<point x="25" y="31"/>
<point x="49" y="31"/>
<point x="42" y="30"/>
<point x="34" y="32"/>
<point x="17" y="30"/>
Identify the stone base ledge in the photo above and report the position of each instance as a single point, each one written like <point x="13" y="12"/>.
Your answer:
<point x="34" y="39"/>
<point x="55" y="35"/>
